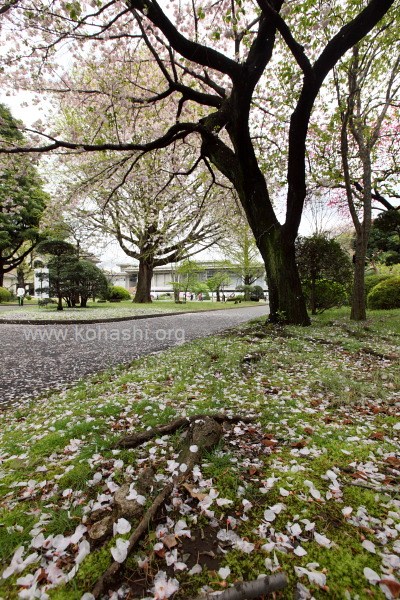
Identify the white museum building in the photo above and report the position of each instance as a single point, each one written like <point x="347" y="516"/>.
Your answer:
<point x="165" y="275"/>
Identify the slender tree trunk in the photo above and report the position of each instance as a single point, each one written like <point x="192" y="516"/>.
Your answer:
<point x="2" y="266"/>
<point x="20" y="277"/>
<point x="358" y="304"/>
<point x="313" y="297"/>
<point x="286" y="300"/>
<point x="58" y="287"/>
<point x="246" y="291"/>
<point x="143" y="288"/>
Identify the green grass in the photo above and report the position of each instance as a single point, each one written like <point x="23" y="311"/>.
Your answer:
<point x="114" y="310"/>
<point x="170" y="305"/>
<point x="321" y="393"/>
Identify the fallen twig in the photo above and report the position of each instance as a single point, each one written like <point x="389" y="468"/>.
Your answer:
<point x="381" y="488"/>
<point x="250" y="589"/>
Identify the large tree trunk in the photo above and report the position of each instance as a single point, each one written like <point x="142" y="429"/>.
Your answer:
<point x="358" y="303"/>
<point x="286" y="300"/>
<point x="275" y="241"/>
<point x="143" y="288"/>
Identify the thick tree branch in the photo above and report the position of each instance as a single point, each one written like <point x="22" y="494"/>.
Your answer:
<point x="176" y="132"/>
<point x="193" y="51"/>
<point x="349" y="36"/>
<point x="295" y="48"/>
<point x="346" y="38"/>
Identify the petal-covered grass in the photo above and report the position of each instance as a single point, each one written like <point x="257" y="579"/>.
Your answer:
<point x="311" y="487"/>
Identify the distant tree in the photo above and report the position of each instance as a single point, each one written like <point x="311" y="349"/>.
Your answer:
<point x="63" y="254"/>
<point x="22" y="201"/>
<point x="359" y="141"/>
<point x="154" y="222"/>
<point x="187" y="278"/>
<point x="320" y="258"/>
<point x="82" y="279"/>
<point x="384" y="239"/>
<point x="240" y="248"/>
<point x="24" y="270"/>
<point x="216" y="282"/>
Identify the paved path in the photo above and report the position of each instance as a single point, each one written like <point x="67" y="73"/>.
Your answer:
<point x="34" y="358"/>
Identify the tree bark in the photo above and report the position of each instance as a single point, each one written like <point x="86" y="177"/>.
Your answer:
<point x="274" y="241"/>
<point x="286" y="299"/>
<point x="313" y="297"/>
<point x="143" y="288"/>
<point x="358" y="302"/>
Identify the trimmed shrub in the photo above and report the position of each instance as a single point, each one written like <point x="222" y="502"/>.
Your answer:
<point x="236" y="299"/>
<point x="385" y="295"/>
<point x="5" y="295"/>
<point x="328" y="294"/>
<point x="257" y="293"/>
<point x="372" y="280"/>
<point x="116" y="293"/>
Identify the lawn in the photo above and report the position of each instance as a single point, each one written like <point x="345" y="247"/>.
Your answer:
<point x="111" y="310"/>
<point x="306" y="484"/>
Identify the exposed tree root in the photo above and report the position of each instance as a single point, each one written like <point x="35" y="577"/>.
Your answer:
<point x="140" y="530"/>
<point x="250" y="589"/>
<point x="204" y="433"/>
<point x="133" y="441"/>
<point x="379" y="355"/>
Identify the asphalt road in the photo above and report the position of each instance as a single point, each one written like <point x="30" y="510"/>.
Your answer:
<point x="34" y="358"/>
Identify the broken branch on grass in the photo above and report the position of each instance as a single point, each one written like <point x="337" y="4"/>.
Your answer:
<point x="205" y="433"/>
<point x="387" y="489"/>
<point x="246" y="590"/>
<point x="133" y="441"/>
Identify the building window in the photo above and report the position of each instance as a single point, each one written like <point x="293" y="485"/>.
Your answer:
<point x="133" y="279"/>
<point x="210" y="273"/>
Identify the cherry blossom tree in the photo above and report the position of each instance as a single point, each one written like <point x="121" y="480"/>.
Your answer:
<point x="157" y="218"/>
<point x="223" y="58"/>
<point x="367" y="86"/>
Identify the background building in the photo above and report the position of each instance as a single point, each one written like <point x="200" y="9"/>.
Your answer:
<point x="164" y="276"/>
